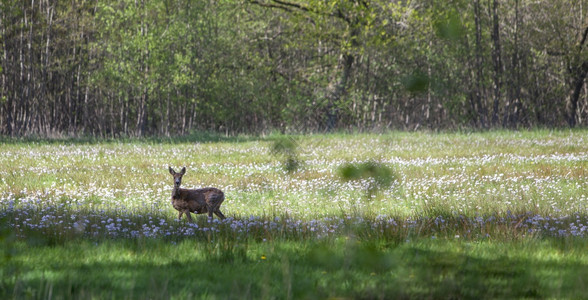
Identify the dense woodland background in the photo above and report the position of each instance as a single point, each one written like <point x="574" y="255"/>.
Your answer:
<point x="166" y="67"/>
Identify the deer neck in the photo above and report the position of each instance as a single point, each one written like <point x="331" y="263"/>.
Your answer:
<point x="176" y="193"/>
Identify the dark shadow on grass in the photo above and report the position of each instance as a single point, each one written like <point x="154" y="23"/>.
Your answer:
<point x="310" y="270"/>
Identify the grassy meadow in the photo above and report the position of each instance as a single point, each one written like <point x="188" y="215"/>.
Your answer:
<point x="466" y="215"/>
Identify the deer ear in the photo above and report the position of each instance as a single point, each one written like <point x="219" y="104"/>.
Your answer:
<point x="171" y="171"/>
<point x="183" y="171"/>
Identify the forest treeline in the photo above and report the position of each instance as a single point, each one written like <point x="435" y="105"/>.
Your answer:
<point x="166" y="67"/>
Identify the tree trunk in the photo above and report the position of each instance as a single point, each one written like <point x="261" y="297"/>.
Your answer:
<point x="578" y="77"/>
<point x="480" y="109"/>
<point x="338" y="91"/>
<point x="578" y="70"/>
<point x="497" y="60"/>
<point x="513" y="107"/>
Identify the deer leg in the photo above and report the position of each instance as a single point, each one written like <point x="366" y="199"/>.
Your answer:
<point x="180" y="215"/>
<point x="189" y="216"/>
<point x="209" y="210"/>
<point x="219" y="214"/>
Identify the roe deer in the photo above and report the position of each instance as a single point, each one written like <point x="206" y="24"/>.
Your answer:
<point x="199" y="201"/>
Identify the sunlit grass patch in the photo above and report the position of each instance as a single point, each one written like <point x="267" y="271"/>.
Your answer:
<point x="467" y="174"/>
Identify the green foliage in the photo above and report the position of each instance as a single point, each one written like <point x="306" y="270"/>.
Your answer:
<point x="286" y="149"/>
<point x="416" y="82"/>
<point x="126" y="68"/>
<point x="450" y="27"/>
<point x="379" y="176"/>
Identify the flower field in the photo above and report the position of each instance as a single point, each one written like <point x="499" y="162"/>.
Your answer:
<point x="454" y="196"/>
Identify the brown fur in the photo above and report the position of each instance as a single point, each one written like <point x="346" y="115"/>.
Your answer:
<point x="199" y="201"/>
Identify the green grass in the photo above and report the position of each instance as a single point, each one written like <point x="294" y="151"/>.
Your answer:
<point x="306" y="269"/>
<point x="468" y="215"/>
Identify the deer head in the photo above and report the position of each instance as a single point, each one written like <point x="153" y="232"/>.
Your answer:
<point x="177" y="176"/>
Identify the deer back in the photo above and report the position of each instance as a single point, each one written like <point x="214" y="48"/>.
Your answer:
<point x="197" y="200"/>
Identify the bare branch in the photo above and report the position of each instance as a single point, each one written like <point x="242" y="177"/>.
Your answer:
<point x="270" y="5"/>
<point x="291" y="4"/>
<point x="584" y="36"/>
